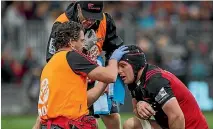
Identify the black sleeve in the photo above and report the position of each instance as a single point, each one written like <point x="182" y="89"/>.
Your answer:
<point x="50" y="46"/>
<point x="80" y="63"/>
<point x="112" y="40"/>
<point x="160" y="90"/>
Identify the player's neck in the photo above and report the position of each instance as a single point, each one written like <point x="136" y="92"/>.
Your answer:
<point x="65" y="49"/>
<point x="139" y="74"/>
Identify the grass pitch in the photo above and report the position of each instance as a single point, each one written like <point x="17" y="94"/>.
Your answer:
<point x="27" y="122"/>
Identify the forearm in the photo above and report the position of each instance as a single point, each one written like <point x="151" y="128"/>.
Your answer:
<point x="37" y="124"/>
<point x="112" y="68"/>
<point x="94" y="93"/>
<point x="177" y="122"/>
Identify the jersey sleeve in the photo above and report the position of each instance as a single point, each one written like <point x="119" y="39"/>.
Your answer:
<point x="80" y="63"/>
<point x="160" y="90"/>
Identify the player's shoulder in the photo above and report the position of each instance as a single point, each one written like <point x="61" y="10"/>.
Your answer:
<point x="155" y="77"/>
<point x="158" y="79"/>
<point x="156" y="82"/>
<point x="78" y="56"/>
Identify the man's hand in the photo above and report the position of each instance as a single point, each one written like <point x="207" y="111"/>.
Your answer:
<point x="118" y="53"/>
<point x="144" y="110"/>
<point x="90" y="39"/>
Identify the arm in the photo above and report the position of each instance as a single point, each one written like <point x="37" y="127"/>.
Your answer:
<point x="37" y="124"/>
<point x="94" y="93"/>
<point x="82" y="65"/>
<point x="110" y="72"/>
<point x="112" y="40"/>
<point x="175" y="115"/>
<point x="106" y="74"/>
<point x="163" y="95"/>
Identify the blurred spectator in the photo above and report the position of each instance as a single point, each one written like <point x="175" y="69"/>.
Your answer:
<point x="28" y="9"/>
<point x="13" y="21"/>
<point x="6" y="70"/>
<point x="146" y="45"/>
<point x="41" y="10"/>
<point x="33" y="85"/>
<point x="12" y="71"/>
<point x="28" y="61"/>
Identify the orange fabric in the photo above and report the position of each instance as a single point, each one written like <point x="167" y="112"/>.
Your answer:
<point x="100" y="32"/>
<point x="62" y="92"/>
<point x="62" y="18"/>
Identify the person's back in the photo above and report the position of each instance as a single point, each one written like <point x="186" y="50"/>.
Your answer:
<point x="192" y="113"/>
<point x="64" y="92"/>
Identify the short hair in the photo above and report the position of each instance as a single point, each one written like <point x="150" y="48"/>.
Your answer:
<point x="64" y="32"/>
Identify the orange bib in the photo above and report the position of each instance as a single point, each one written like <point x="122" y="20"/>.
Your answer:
<point x="62" y="92"/>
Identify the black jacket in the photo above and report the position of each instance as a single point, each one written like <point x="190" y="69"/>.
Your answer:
<point x="112" y="40"/>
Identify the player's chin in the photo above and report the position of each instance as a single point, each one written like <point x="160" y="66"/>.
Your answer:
<point x="126" y="81"/>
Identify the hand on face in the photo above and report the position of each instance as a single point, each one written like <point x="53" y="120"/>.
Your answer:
<point x="144" y="110"/>
<point x="90" y="39"/>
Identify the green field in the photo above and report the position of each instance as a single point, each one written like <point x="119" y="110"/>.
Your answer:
<point x="26" y="122"/>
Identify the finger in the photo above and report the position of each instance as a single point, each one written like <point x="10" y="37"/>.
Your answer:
<point x="142" y="108"/>
<point x="137" y="115"/>
<point x="145" y="111"/>
<point x="87" y="34"/>
<point x="124" y="48"/>
<point x="143" y="114"/>
<point x="121" y="47"/>
<point x="124" y="52"/>
<point x="150" y="109"/>
<point x="93" y="32"/>
<point x="134" y="103"/>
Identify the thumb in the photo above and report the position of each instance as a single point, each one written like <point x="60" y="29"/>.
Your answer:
<point x="134" y="103"/>
<point x="87" y="34"/>
<point x="93" y="32"/>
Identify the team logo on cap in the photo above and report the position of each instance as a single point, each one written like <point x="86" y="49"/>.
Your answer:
<point x="91" y="6"/>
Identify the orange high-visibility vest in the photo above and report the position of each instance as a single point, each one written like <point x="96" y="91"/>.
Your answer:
<point x="100" y="32"/>
<point x="62" y="92"/>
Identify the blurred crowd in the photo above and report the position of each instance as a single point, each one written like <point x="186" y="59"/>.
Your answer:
<point x="177" y="36"/>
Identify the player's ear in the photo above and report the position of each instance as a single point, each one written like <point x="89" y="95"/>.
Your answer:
<point x="71" y="44"/>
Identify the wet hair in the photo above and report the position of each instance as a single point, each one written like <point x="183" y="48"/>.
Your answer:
<point x="64" y="32"/>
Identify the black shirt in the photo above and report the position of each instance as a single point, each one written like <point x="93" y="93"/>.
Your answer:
<point x="80" y="63"/>
<point x="156" y="91"/>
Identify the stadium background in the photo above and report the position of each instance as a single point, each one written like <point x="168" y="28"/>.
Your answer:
<point x="177" y="36"/>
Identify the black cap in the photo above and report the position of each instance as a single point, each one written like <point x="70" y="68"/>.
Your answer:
<point x="92" y="9"/>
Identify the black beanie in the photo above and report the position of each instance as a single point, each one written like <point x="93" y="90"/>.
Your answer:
<point x="136" y="58"/>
